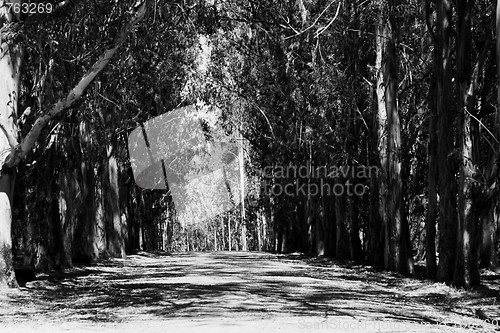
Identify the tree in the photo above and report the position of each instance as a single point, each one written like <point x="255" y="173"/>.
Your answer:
<point x="396" y="252"/>
<point x="445" y="117"/>
<point x="467" y="268"/>
<point x="14" y="152"/>
<point x="432" y="174"/>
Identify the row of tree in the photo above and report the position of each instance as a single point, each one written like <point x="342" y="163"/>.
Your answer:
<point x="408" y="88"/>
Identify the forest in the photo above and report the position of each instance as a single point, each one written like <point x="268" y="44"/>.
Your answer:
<point x="366" y="131"/>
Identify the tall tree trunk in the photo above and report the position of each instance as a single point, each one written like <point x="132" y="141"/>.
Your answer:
<point x="375" y="229"/>
<point x="260" y="217"/>
<point x="265" y="238"/>
<point x="221" y="219"/>
<point x="241" y="155"/>
<point x="115" y="231"/>
<point x="215" y="236"/>
<point x="342" y="243"/>
<point x="141" y="218"/>
<point x="86" y="241"/>
<point x="391" y="185"/>
<point x="170" y="226"/>
<point x="11" y="56"/>
<point x="466" y="268"/>
<point x="56" y="257"/>
<point x="99" y="188"/>
<point x="321" y="230"/>
<point x="493" y="224"/>
<point x="7" y="277"/>
<point x="229" y="231"/>
<point x="69" y="198"/>
<point x="447" y="182"/>
<point x="382" y="36"/>
<point x="133" y="244"/>
<point x="356" y="249"/>
<point x="488" y="253"/>
<point x="395" y="195"/>
<point x="432" y="178"/>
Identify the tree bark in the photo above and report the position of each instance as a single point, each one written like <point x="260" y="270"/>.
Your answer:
<point x="356" y="248"/>
<point x="7" y="277"/>
<point x="241" y="156"/>
<point x="86" y="233"/>
<point x="397" y="254"/>
<point x="221" y="219"/>
<point x="381" y="39"/>
<point x="229" y="231"/>
<point x="11" y="56"/>
<point x="466" y="268"/>
<point x="215" y="235"/>
<point x="432" y="178"/>
<point x="115" y="231"/>
<point x="322" y="232"/>
<point x="342" y="250"/>
<point x="375" y="230"/>
<point x="99" y="204"/>
<point x="259" y="219"/>
<point x="445" y="124"/>
<point x="69" y="204"/>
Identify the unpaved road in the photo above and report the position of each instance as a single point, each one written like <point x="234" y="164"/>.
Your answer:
<point x="242" y="292"/>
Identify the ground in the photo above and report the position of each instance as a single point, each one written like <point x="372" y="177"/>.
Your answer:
<point x="243" y="292"/>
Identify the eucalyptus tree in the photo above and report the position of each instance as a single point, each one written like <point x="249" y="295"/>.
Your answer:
<point x="18" y="19"/>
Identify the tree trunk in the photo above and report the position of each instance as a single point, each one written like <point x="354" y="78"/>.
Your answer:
<point x="321" y="230"/>
<point x="342" y="243"/>
<point x="396" y="260"/>
<point x="11" y="56"/>
<point x="7" y="277"/>
<point x="447" y="182"/>
<point x="229" y="231"/>
<point x="86" y="240"/>
<point x="221" y="219"/>
<point x="115" y="231"/>
<point x="215" y="236"/>
<point x="382" y="36"/>
<point x="356" y="249"/>
<point x="241" y="156"/>
<point x="266" y="246"/>
<point x="69" y="204"/>
<point x="391" y="184"/>
<point x="100" y="209"/>
<point x="488" y="257"/>
<point x="375" y="230"/>
<point x="432" y="178"/>
<point x="55" y="240"/>
<point x="260" y="217"/>
<point x="466" y="269"/>
<point x="492" y="224"/>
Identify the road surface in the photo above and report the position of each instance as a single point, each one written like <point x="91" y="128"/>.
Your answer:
<point x="240" y="292"/>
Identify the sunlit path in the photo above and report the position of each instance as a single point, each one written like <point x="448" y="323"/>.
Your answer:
<point x="238" y="291"/>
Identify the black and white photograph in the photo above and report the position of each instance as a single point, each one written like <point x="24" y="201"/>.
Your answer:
<point x="249" y="166"/>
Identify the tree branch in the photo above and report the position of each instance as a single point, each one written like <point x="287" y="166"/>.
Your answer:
<point x="314" y="23"/>
<point x="27" y="144"/>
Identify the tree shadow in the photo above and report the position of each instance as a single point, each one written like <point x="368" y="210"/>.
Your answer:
<point x="231" y="285"/>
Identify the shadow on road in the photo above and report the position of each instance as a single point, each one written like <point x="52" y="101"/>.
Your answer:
<point x="233" y="285"/>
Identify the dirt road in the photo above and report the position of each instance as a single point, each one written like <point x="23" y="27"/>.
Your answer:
<point x="241" y="292"/>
